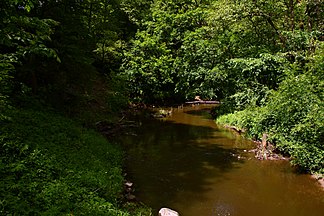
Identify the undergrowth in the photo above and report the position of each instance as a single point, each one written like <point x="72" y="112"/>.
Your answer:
<point x="292" y="116"/>
<point x="50" y="165"/>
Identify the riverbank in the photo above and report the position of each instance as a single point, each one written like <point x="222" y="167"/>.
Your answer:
<point x="185" y="158"/>
<point x="52" y="165"/>
<point x="268" y="151"/>
<point x="319" y="179"/>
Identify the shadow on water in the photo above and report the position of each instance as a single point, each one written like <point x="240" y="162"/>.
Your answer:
<point x="187" y="163"/>
<point x="171" y="158"/>
<point x="204" y="112"/>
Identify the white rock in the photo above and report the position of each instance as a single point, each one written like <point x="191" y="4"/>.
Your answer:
<point x="128" y="184"/>
<point x="167" y="212"/>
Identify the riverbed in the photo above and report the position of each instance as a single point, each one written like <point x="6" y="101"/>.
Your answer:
<point x="188" y="163"/>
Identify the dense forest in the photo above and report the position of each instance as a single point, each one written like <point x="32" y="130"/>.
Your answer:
<point x="66" y="64"/>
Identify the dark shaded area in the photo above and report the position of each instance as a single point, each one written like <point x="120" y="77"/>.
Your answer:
<point x="204" y="111"/>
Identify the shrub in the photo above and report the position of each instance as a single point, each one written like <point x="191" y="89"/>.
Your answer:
<point x="293" y="116"/>
<point x="50" y="165"/>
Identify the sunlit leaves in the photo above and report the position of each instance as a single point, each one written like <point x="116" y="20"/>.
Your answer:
<point x="170" y="51"/>
<point x="292" y="115"/>
<point x="266" y="70"/>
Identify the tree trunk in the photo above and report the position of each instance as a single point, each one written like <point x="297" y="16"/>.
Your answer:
<point x="264" y="140"/>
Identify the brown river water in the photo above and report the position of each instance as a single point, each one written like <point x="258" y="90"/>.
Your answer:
<point x="187" y="163"/>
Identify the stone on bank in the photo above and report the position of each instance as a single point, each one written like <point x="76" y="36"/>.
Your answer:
<point x="167" y="212"/>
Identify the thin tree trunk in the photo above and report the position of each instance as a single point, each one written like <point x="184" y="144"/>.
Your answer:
<point x="90" y="16"/>
<point x="103" y="51"/>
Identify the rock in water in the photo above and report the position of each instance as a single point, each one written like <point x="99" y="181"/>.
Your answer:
<point x="130" y="197"/>
<point x="128" y="184"/>
<point x="167" y="212"/>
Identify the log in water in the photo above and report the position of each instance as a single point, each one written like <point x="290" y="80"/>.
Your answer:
<point x="202" y="102"/>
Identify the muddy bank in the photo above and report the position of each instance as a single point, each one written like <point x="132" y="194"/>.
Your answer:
<point x="320" y="180"/>
<point x="267" y="151"/>
<point x="264" y="150"/>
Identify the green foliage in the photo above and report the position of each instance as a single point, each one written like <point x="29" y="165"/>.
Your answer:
<point x="301" y="40"/>
<point x="5" y="70"/>
<point x="22" y="38"/>
<point x="136" y="10"/>
<point x="266" y="70"/>
<point x="256" y="55"/>
<point x="56" y="50"/>
<point x="293" y="116"/>
<point x="197" y="73"/>
<point x="275" y="71"/>
<point x="138" y="209"/>
<point x="217" y="48"/>
<point x="252" y="80"/>
<point x="50" y="165"/>
<point x="298" y="126"/>
<point x="264" y="58"/>
<point x="167" y="60"/>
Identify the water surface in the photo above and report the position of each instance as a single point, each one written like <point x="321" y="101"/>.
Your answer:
<point x="187" y="163"/>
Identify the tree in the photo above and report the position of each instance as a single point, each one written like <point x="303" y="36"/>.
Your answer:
<point x="22" y="38"/>
<point x="164" y="63"/>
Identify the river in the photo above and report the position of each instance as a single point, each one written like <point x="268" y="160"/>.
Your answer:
<point x="188" y="163"/>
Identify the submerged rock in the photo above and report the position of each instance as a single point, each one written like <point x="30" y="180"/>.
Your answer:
<point x="130" y="197"/>
<point x="167" y="212"/>
<point x="320" y="179"/>
<point x="128" y="184"/>
<point x="267" y="152"/>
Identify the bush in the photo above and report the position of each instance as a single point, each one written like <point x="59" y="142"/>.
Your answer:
<point x="50" y="165"/>
<point x="293" y="116"/>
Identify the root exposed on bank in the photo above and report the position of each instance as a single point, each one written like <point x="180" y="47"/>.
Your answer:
<point x="267" y="152"/>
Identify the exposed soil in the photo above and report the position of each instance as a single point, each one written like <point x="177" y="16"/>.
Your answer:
<point x="267" y="153"/>
<point x="320" y="180"/>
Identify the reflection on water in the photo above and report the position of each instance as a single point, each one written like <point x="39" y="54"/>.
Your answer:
<point x="187" y="163"/>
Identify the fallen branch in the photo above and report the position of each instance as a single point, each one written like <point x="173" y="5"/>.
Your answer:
<point x="202" y="102"/>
